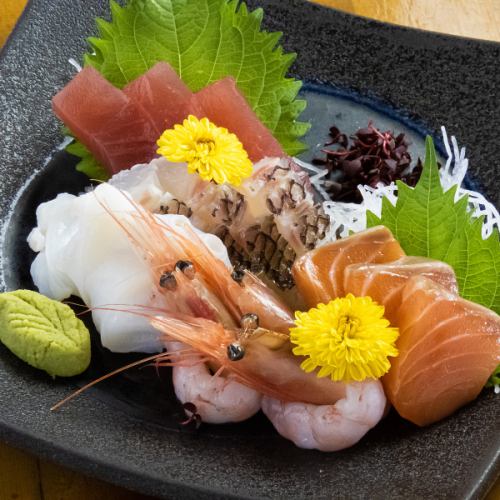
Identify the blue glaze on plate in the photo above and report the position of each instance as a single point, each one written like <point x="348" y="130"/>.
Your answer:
<point x="349" y="111"/>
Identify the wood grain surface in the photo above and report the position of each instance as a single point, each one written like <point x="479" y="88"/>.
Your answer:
<point x="471" y="18"/>
<point x="22" y="475"/>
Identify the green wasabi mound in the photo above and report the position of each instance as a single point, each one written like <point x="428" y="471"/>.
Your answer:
<point x="44" y="332"/>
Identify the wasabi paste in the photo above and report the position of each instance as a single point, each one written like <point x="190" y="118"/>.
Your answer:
<point x="44" y="332"/>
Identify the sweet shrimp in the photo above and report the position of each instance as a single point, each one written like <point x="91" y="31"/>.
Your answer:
<point x="258" y="358"/>
<point x="196" y="283"/>
<point x="329" y="427"/>
<point x="217" y="399"/>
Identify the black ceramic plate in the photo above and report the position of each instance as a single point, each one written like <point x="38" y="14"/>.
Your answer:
<point x="126" y="431"/>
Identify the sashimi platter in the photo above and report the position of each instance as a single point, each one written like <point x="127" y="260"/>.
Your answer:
<point x="324" y="291"/>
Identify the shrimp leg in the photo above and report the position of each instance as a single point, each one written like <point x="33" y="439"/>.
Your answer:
<point x="329" y="427"/>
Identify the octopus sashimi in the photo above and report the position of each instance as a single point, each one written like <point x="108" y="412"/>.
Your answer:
<point x="448" y="347"/>
<point x="384" y="283"/>
<point x="319" y="274"/>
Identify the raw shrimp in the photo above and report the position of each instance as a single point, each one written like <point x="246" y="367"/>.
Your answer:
<point x="218" y="399"/>
<point x="255" y="357"/>
<point x="196" y="283"/>
<point x="329" y="427"/>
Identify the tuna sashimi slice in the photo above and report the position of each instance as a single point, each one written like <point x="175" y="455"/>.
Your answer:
<point x="448" y="347"/>
<point x="384" y="283"/>
<point x="163" y="97"/>
<point x="319" y="274"/>
<point x="224" y="105"/>
<point x="106" y="121"/>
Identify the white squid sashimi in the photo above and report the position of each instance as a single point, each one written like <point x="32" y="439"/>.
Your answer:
<point x="83" y="251"/>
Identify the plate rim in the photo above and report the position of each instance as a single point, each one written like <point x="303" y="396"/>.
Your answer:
<point x="19" y="434"/>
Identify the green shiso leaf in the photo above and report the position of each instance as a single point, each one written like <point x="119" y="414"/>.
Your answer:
<point x="204" y="40"/>
<point x="428" y="222"/>
<point x="495" y="378"/>
<point x="87" y="164"/>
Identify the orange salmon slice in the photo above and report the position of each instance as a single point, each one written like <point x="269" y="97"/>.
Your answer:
<point x="384" y="283"/>
<point x="448" y="347"/>
<point x="319" y="274"/>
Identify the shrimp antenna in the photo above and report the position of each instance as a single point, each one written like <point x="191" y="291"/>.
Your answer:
<point x="108" y="375"/>
<point x="166" y="357"/>
<point x="155" y="357"/>
<point x="85" y="309"/>
<point x="76" y="304"/>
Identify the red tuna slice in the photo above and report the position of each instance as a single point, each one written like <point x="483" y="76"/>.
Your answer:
<point x="106" y="121"/>
<point x="224" y="105"/>
<point x="163" y="97"/>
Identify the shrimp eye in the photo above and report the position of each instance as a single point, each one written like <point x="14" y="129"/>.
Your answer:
<point x="186" y="267"/>
<point x="238" y="276"/>
<point x="250" y="321"/>
<point x="168" y="281"/>
<point x="235" y="352"/>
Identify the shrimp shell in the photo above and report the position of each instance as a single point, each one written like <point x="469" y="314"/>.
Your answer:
<point x="212" y="293"/>
<point x="268" y="365"/>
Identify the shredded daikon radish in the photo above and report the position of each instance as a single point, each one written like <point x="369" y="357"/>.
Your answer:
<point x="346" y="218"/>
<point x="75" y="64"/>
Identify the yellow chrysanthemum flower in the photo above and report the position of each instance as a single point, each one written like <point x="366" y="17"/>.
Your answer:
<point x="348" y="339"/>
<point x="211" y="151"/>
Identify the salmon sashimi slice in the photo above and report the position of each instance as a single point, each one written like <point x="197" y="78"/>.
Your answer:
<point x="224" y="105"/>
<point x="448" y="347"/>
<point x="106" y="121"/>
<point x="163" y="97"/>
<point x="319" y="274"/>
<point x="384" y="283"/>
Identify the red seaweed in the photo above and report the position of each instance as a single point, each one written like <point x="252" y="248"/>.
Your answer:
<point x="368" y="157"/>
